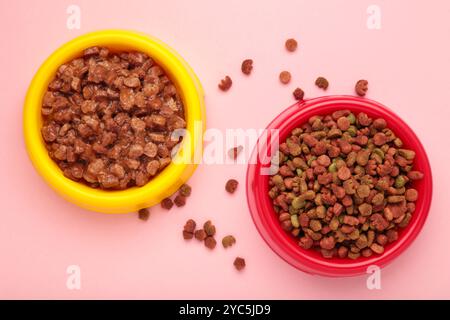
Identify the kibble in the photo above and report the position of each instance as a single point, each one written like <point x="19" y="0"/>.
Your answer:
<point x="228" y="241"/>
<point x="144" y="214"/>
<point x="291" y="45"/>
<point x="210" y="242"/>
<point x="231" y="185"/>
<point x="322" y="83"/>
<point x="225" y="84"/>
<point x="345" y="185"/>
<point x="285" y="77"/>
<point x="361" y="87"/>
<point x="298" y="94"/>
<point x="185" y="190"/>
<point x="180" y="200"/>
<point x="247" y="66"/>
<point x="167" y="203"/>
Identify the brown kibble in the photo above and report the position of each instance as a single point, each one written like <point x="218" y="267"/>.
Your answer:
<point x="344" y="173"/>
<point x="234" y="152"/>
<point x="361" y="87"/>
<point x="285" y="77"/>
<point x="187" y="235"/>
<point x="231" y="185"/>
<point x="322" y="83"/>
<point x="247" y="66"/>
<point x="291" y="45"/>
<point x="411" y="195"/>
<point x="299" y="94"/>
<point x="179" y="200"/>
<point x="209" y="228"/>
<point x="167" y="203"/>
<point x="144" y="214"/>
<point x="228" y="241"/>
<point x="190" y="226"/>
<point x="225" y="84"/>
<point x="415" y="175"/>
<point x="210" y="242"/>
<point x="200" y="234"/>
<point x="185" y="190"/>
<point x="239" y="263"/>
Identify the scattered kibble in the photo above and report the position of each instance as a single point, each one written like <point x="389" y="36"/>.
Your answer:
<point x="247" y="66"/>
<point x="210" y="242"/>
<point x="285" y="77"/>
<point x="228" y="241"/>
<point x="298" y="94"/>
<point x="291" y="45"/>
<point x="200" y="234"/>
<point x="231" y="185"/>
<point x="180" y="200"/>
<point x="225" y="84"/>
<point x="322" y="83"/>
<point x="189" y="229"/>
<point x="144" y="214"/>
<point x="239" y="263"/>
<point x="209" y="228"/>
<point x="167" y="203"/>
<point x="185" y="190"/>
<point x="234" y="152"/>
<point x="344" y="185"/>
<point x="361" y="87"/>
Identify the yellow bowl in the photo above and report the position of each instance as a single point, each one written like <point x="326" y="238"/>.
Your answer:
<point x="168" y="180"/>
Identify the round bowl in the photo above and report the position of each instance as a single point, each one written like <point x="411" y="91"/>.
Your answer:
<point x="266" y="220"/>
<point x="169" y="179"/>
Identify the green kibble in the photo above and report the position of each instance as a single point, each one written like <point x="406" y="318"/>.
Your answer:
<point x="398" y="142"/>
<point x="298" y="203"/>
<point x="299" y="171"/>
<point x="332" y="167"/>
<point x="352" y="131"/>
<point x="351" y="117"/>
<point x="378" y="152"/>
<point x="400" y="182"/>
<point x="294" y="221"/>
<point x="407" y="154"/>
<point x="293" y="210"/>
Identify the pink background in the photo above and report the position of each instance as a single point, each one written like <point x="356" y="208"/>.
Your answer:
<point x="407" y="63"/>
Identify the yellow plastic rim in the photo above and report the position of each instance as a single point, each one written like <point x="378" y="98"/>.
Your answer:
<point x="168" y="180"/>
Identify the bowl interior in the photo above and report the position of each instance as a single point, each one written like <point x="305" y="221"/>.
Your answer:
<point x="283" y="243"/>
<point x="169" y="179"/>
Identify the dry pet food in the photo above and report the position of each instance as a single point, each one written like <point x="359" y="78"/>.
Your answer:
<point x="247" y="66"/>
<point x="322" y="83"/>
<point x="285" y="77"/>
<point x="228" y="241"/>
<point x="298" y="94"/>
<point x="344" y="185"/>
<point x="291" y="45"/>
<point x="167" y="203"/>
<point x="189" y="229"/>
<point x="108" y="118"/>
<point x="231" y="185"/>
<point x="361" y="87"/>
<point x="185" y="190"/>
<point x="180" y="200"/>
<point x="144" y="214"/>
<point x="234" y="152"/>
<point x="239" y="263"/>
<point x="225" y="84"/>
<point x="210" y="242"/>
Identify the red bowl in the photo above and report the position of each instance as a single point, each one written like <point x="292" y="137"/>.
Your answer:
<point x="284" y="244"/>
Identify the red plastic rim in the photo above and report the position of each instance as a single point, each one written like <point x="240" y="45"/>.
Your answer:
<point x="282" y="243"/>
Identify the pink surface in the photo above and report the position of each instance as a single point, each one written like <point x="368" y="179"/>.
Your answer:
<point x="407" y="63"/>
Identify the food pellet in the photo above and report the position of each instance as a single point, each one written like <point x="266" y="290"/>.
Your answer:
<point x="228" y="241"/>
<point x="108" y="118"/>
<point x="239" y="263"/>
<point x="210" y="242"/>
<point x="322" y="83"/>
<point x="345" y="185"/>
<point x="185" y="190"/>
<point x="144" y="214"/>
<point x="247" y="66"/>
<point x="225" y="84"/>
<point x="285" y="77"/>
<point x="200" y="234"/>
<point x="167" y="203"/>
<point x="231" y="185"/>
<point x="234" y="152"/>
<point x="291" y="45"/>
<point x="180" y="200"/>
<point x="209" y="228"/>
<point x="361" y="87"/>
<point x="298" y="94"/>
